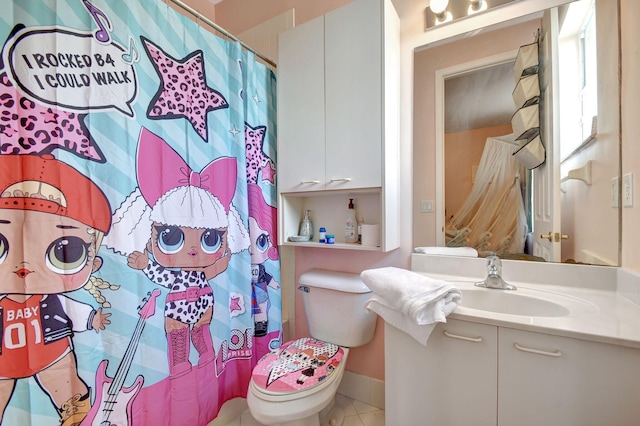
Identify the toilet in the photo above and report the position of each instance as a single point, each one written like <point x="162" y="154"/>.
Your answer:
<point x="296" y="384"/>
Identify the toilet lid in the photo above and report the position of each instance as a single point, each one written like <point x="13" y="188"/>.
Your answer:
<point x="297" y="365"/>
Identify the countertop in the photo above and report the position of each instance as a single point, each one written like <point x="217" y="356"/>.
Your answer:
<point x="598" y="312"/>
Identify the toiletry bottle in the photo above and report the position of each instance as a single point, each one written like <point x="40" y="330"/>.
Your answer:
<point x="306" y="227"/>
<point x="351" y="225"/>
<point x="322" y="237"/>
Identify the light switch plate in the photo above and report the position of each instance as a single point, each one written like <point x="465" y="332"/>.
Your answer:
<point x="614" y="191"/>
<point x="627" y="190"/>
<point x="426" y="206"/>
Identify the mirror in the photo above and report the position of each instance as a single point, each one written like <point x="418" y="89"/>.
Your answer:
<point x="579" y="217"/>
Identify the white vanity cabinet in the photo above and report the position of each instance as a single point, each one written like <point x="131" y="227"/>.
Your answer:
<point x="451" y="381"/>
<point x="338" y="114"/>
<point x="560" y="381"/>
<point x="479" y="374"/>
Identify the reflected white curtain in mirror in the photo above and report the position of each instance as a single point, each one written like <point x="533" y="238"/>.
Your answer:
<point x="492" y="217"/>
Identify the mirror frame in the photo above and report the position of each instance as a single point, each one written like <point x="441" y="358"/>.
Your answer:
<point x="492" y="19"/>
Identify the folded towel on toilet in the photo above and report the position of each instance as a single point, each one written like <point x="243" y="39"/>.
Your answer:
<point x="448" y="251"/>
<point x="410" y="300"/>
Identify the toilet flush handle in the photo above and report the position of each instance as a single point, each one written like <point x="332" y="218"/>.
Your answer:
<point x="304" y="288"/>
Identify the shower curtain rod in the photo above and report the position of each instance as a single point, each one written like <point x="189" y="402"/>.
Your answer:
<point x="218" y="28"/>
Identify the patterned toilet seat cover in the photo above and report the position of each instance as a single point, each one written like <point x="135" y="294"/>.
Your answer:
<point x="297" y="365"/>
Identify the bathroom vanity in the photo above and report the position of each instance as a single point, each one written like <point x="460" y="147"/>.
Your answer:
<point x="490" y="365"/>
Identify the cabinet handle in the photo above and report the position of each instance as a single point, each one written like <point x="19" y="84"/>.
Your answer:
<point x="465" y="338"/>
<point x="306" y="182"/>
<point x="345" y="179"/>
<point x="521" y="348"/>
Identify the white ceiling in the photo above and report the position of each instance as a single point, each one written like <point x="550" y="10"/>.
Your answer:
<point x="480" y="98"/>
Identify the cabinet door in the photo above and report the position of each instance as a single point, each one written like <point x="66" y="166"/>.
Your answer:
<point x="353" y="78"/>
<point x="449" y="382"/>
<point x="301" y="130"/>
<point x="551" y="380"/>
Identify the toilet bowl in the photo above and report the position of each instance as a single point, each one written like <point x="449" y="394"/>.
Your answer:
<point x="276" y="395"/>
<point x="296" y="384"/>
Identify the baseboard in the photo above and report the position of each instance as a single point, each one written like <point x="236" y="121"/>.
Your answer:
<point x="362" y="388"/>
<point x="229" y="412"/>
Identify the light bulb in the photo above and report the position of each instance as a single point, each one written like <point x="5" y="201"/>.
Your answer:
<point x="476" y="6"/>
<point x="443" y="17"/>
<point x="438" y="6"/>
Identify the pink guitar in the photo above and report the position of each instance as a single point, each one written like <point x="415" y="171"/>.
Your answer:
<point x="113" y="401"/>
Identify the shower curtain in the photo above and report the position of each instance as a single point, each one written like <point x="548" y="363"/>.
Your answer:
<point x="138" y="250"/>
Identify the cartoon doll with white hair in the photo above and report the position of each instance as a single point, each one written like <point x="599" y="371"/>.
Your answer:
<point x="180" y="228"/>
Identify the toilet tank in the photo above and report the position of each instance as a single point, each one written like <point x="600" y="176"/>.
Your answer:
<point x="334" y="304"/>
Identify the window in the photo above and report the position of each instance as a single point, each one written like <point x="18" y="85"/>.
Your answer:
<point x="589" y="68"/>
<point x="578" y="71"/>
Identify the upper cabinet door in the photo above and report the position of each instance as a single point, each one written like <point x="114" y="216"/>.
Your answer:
<point x="301" y="102"/>
<point x="353" y="95"/>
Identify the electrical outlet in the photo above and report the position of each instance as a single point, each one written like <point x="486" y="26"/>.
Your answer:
<point x="614" y="191"/>
<point x="627" y="190"/>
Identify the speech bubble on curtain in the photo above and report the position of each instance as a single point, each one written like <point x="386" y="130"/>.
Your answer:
<point x="71" y="70"/>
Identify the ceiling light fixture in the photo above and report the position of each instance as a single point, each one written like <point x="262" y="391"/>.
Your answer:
<point x="441" y="11"/>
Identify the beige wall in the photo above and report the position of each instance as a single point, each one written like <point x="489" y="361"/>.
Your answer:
<point x="203" y="7"/>
<point x="630" y="41"/>
<point x="238" y="16"/>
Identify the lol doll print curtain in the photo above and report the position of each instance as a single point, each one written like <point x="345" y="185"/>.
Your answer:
<point x="138" y="252"/>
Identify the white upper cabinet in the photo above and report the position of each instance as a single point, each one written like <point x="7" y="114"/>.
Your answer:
<point x="338" y="115"/>
<point x="333" y="110"/>
<point x="301" y="133"/>
<point x="353" y="95"/>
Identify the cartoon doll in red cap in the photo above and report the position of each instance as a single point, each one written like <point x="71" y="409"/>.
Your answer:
<point x="52" y="220"/>
<point x="180" y="228"/>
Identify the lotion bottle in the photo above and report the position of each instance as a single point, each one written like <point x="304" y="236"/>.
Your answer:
<point x="306" y="227"/>
<point x="351" y="225"/>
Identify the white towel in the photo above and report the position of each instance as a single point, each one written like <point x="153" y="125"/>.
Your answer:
<point x="448" y="251"/>
<point x="424" y="300"/>
<point x="402" y="322"/>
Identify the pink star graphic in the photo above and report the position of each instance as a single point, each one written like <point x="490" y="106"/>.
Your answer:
<point x="234" y="304"/>
<point x="31" y="128"/>
<point x="269" y="172"/>
<point x="257" y="160"/>
<point x="183" y="91"/>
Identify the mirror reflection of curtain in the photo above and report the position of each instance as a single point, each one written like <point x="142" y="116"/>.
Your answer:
<point x="492" y="217"/>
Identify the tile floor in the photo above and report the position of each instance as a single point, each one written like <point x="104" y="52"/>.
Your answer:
<point x="356" y="414"/>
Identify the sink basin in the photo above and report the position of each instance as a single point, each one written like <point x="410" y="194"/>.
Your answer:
<point x="511" y="303"/>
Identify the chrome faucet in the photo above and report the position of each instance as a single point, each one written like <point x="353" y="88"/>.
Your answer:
<point x="494" y="275"/>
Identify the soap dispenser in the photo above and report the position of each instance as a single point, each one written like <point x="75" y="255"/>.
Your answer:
<point x="306" y="227"/>
<point x="351" y="225"/>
